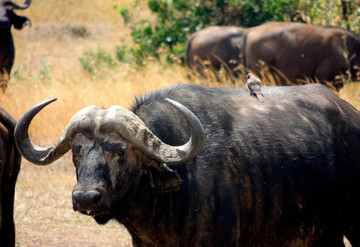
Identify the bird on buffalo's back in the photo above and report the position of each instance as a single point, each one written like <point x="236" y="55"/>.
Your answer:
<point x="253" y="84"/>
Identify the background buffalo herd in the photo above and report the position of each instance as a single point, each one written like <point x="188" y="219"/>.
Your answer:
<point x="291" y="53"/>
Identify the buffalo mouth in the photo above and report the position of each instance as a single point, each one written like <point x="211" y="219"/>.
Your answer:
<point x="100" y="216"/>
<point x="92" y="203"/>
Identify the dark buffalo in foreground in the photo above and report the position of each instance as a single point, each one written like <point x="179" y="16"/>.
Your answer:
<point x="285" y="172"/>
<point x="295" y="51"/>
<point x="9" y="169"/>
<point x="8" y="18"/>
<point x="215" y="47"/>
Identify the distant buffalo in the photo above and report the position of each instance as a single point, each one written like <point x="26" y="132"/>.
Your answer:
<point x="8" y="18"/>
<point x="215" y="47"/>
<point x="291" y="51"/>
<point x="9" y="168"/>
<point x="295" y="51"/>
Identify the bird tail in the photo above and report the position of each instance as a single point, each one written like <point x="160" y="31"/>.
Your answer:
<point x="260" y="97"/>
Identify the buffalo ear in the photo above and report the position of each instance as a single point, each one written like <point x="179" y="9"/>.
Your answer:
<point x="162" y="178"/>
<point x="21" y="21"/>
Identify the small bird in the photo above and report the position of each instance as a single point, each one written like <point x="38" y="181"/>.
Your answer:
<point x="253" y="84"/>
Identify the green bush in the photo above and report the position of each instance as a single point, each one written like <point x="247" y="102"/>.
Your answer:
<point x="122" y="54"/>
<point x="95" y="62"/>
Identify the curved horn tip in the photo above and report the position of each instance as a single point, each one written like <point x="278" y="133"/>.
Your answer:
<point x="23" y="6"/>
<point x="198" y="135"/>
<point x="46" y="102"/>
<point x="179" y="106"/>
<point x="29" y="150"/>
<point x="32" y="112"/>
<point x="41" y="105"/>
<point x="173" y="102"/>
<point x="184" y="109"/>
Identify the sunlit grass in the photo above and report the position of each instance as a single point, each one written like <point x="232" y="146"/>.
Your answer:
<point x="44" y="215"/>
<point x="351" y="93"/>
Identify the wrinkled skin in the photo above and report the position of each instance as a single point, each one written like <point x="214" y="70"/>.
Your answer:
<point x="285" y="172"/>
<point x="215" y="47"/>
<point x="8" y="18"/>
<point x="9" y="169"/>
<point x="295" y="51"/>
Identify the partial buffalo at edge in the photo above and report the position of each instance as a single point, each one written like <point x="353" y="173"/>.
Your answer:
<point x="9" y="168"/>
<point x="8" y="18"/>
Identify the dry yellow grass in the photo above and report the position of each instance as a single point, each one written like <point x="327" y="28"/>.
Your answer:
<point x="351" y="93"/>
<point x="43" y="211"/>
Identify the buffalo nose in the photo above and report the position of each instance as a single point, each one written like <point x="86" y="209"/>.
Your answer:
<point x="83" y="201"/>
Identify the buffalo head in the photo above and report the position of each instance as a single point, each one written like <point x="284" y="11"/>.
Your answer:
<point x="8" y="17"/>
<point x="113" y="150"/>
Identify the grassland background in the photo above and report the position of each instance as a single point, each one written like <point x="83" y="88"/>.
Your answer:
<point x="46" y="66"/>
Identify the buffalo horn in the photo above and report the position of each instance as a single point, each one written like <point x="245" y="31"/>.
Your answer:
<point x="25" y="5"/>
<point x="132" y="128"/>
<point x="121" y="120"/>
<point x="40" y="155"/>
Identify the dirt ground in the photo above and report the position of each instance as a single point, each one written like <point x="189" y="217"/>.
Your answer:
<point x="44" y="215"/>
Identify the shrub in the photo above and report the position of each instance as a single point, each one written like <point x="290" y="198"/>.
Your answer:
<point x="95" y="62"/>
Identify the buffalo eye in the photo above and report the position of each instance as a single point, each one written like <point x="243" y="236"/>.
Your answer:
<point x="121" y="158"/>
<point x="76" y="148"/>
<point x="120" y="153"/>
<point x="114" y="148"/>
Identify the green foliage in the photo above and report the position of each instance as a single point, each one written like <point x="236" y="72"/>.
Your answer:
<point x="98" y="62"/>
<point x="177" y="19"/>
<point x="124" y="12"/>
<point x="341" y="13"/>
<point x="122" y="54"/>
<point x="95" y="62"/>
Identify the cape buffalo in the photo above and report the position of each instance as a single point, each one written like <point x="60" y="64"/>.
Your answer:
<point x="215" y="47"/>
<point x="9" y="168"/>
<point x="285" y="172"/>
<point x="296" y="51"/>
<point x="7" y="51"/>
